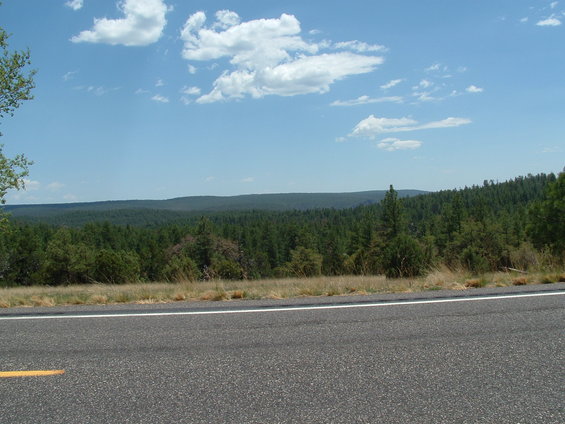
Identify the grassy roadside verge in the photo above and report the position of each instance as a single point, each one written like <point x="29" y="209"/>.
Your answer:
<point x="98" y="294"/>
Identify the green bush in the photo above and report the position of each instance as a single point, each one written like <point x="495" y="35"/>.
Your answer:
<point x="116" y="267"/>
<point x="227" y="270"/>
<point x="181" y="268"/>
<point x="304" y="263"/>
<point x="403" y="257"/>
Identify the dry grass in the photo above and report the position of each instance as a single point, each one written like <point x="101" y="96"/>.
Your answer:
<point x="260" y="289"/>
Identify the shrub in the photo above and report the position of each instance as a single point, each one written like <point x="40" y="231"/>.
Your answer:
<point x="181" y="268"/>
<point x="304" y="263"/>
<point x="403" y="257"/>
<point x="116" y="267"/>
<point x="228" y="270"/>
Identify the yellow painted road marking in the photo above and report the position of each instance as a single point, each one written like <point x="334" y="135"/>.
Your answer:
<point x="8" y="374"/>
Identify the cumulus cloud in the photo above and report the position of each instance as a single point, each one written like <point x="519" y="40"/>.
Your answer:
<point x="474" y="89"/>
<point x="268" y="57"/>
<point x="551" y="21"/>
<point x="363" y="100"/>
<point x="392" y="144"/>
<point x="308" y="74"/>
<point x="372" y="126"/>
<point x="75" y="4"/>
<point x="142" y="24"/>
<point x="160" y="99"/>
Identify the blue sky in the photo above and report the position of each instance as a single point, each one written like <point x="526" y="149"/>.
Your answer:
<point x="154" y="99"/>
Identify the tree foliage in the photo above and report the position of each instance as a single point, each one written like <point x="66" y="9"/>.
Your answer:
<point x="16" y="83"/>
<point x="547" y="217"/>
<point x="478" y="229"/>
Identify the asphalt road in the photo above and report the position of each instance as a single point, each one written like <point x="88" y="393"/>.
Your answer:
<point x="493" y="360"/>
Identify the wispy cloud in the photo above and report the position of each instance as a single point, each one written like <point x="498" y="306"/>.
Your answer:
<point x="55" y="186"/>
<point x="392" y="144"/>
<point x="69" y="75"/>
<point x="191" y="91"/>
<point x="359" y="46"/>
<point x="363" y="100"/>
<point x="31" y="185"/>
<point x="99" y="90"/>
<point x="142" y="24"/>
<point x="391" y="83"/>
<point x="373" y="126"/>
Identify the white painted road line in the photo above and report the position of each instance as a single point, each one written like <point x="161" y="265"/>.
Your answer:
<point x="285" y="309"/>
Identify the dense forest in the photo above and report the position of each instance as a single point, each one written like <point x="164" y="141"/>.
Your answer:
<point x="518" y="224"/>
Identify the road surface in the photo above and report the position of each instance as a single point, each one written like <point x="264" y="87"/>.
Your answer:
<point x="495" y="357"/>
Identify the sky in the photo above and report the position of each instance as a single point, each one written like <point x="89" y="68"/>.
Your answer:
<point x="156" y="99"/>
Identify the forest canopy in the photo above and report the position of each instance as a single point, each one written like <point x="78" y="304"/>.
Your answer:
<point x="518" y="224"/>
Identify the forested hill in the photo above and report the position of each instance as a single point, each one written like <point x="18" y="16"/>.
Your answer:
<point x="151" y="212"/>
<point x="517" y="224"/>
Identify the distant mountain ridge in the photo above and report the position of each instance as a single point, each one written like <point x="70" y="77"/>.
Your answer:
<point x="269" y="202"/>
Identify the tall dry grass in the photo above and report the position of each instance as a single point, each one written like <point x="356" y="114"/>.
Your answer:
<point x="217" y="290"/>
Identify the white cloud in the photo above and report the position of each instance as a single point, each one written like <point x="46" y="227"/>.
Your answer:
<point x="31" y="185"/>
<point x="55" y="186"/>
<point x="392" y="144"/>
<point x="191" y="91"/>
<point x="69" y="75"/>
<point x="74" y="4"/>
<point x="159" y="83"/>
<point x="373" y="126"/>
<point x="308" y="74"/>
<point x="553" y="149"/>
<point x="391" y="83"/>
<point x="226" y="19"/>
<point x="363" y="100"/>
<point x="525" y="19"/>
<point x="432" y="68"/>
<point x="359" y="46"/>
<point x="551" y="21"/>
<point x="474" y="89"/>
<point x="160" y="99"/>
<point x="268" y="57"/>
<point x="425" y="83"/>
<point x="96" y="90"/>
<point x="142" y="24"/>
<point x="553" y="4"/>
<point x="191" y="69"/>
